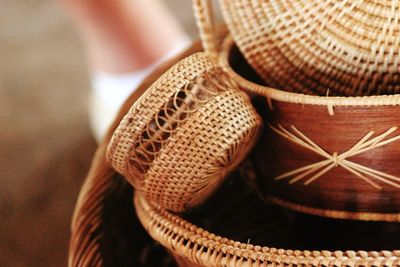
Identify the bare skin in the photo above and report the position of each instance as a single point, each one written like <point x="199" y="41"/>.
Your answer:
<point x="122" y="36"/>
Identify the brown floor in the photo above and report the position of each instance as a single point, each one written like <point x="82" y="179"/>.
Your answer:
<point x="45" y="141"/>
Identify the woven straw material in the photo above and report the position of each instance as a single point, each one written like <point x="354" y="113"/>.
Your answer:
<point x="330" y="47"/>
<point x="237" y="68"/>
<point x="189" y="129"/>
<point x="194" y="246"/>
<point x="104" y="229"/>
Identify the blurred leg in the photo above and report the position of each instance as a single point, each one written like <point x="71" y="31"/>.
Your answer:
<point x="124" y="40"/>
<point x="125" y="35"/>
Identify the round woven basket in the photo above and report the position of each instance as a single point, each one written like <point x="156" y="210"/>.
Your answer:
<point x="230" y="230"/>
<point x="184" y="134"/>
<point x="188" y="144"/>
<point x="329" y="156"/>
<point x="330" y="47"/>
<point x="241" y="229"/>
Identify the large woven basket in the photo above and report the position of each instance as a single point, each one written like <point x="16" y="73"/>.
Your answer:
<point x="241" y="230"/>
<point x="328" y="156"/>
<point x="106" y="231"/>
<point x="230" y="230"/>
<point x="330" y="47"/>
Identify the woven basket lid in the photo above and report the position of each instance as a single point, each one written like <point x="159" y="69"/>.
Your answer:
<point x="184" y="134"/>
<point x="320" y="47"/>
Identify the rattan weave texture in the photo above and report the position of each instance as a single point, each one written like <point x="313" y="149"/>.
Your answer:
<point x="194" y="246"/>
<point x="105" y="232"/>
<point x="104" y="227"/>
<point x="333" y="47"/>
<point x="181" y="138"/>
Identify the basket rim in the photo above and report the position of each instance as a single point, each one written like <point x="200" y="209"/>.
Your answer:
<point x="298" y="98"/>
<point x="198" y="245"/>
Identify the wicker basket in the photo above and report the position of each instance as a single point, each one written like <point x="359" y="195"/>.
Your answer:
<point x="184" y="134"/>
<point x="231" y="231"/>
<point x="333" y="47"/>
<point x="106" y="231"/>
<point x="328" y="156"/>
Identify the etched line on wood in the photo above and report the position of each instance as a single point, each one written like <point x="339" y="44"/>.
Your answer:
<point x="314" y="171"/>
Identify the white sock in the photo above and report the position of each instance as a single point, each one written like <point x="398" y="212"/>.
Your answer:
<point x="109" y="92"/>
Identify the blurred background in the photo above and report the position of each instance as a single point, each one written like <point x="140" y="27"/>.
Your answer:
<point x="45" y="142"/>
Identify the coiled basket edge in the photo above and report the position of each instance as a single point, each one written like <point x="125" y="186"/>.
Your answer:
<point x="194" y="246"/>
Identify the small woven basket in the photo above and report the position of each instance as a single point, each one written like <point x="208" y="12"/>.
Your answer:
<point x="184" y="134"/>
<point x="330" y="47"/>
<point x="328" y="156"/>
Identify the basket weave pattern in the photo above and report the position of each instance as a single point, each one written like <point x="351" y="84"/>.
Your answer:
<point x="104" y="229"/>
<point x="97" y="216"/>
<point x="320" y="47"/>
<point x="195" y="246"/>
<point x="184" y="134"/>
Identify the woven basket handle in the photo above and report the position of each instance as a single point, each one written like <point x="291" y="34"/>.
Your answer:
<point x="204" y="16"/>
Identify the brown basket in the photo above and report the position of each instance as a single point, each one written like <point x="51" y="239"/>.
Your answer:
<point x="105" y="230"/>
<point x="237" y="233"/>
<point x="320" y="47"/>
<point x="184" y="134"/>
<point x="329" y="156"/>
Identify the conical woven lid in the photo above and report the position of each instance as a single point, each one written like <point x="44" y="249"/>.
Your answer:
<point x="330" y="47"/>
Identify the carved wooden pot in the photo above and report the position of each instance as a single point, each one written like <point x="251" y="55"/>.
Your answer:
<point x="330" y="156"/>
